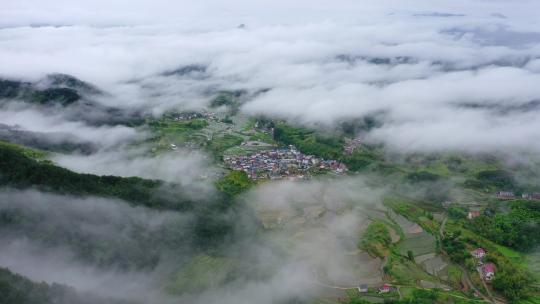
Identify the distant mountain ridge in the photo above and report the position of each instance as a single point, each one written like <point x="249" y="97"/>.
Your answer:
<point x="76" y="99"/>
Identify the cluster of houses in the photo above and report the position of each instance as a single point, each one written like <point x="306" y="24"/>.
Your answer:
<point x="188" y="145"/>
<point x="351" y="145"/>
<point x="531" y="196"/>
<point x="194" y="115"/>
<point x="280" y="164"/>
<point x="510" y="195"/>
<point x="505" y="195"/>
<point x="473" y="214"/>
<point x="487" y="270"/>
<point x="385" y="288"/>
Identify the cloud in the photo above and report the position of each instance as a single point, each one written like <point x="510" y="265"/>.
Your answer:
<point x="88" y="242"/>
<point x="474" y="59"/>
<point x="267" y="270"/>
<point x="58" y="121"/>
<point x="190" y="168"/>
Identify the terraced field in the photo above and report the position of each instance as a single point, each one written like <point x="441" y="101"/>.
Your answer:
<point x="419" y="243"/>
<point x="533" y="264"/>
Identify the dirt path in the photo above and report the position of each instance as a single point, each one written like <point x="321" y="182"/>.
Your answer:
<point x="385" y="260"/>
<point x="394" y="235"/>
<point x="441" y="229"/>
<point x="493" y="298"/>
<point x="417" y="287"/>
<point x="333" y="287"/>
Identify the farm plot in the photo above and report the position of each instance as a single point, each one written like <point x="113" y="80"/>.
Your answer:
<point x="533" y="264"/>
<point x="419" y="244"/>
<point x="434" y="265"/>
<point x="375" y="214"/>
<point x="408" y="227"/>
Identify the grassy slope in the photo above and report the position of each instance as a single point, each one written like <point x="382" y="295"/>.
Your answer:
<point x="28" y="152"/>
<point x="376" y="239"/>
<point x="203" y="272"/>
<point x="18" y="169"/>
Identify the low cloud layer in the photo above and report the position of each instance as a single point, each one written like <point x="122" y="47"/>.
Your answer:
<point x="465" y="73"/>
<point x="57" y="121"/>
<point x="179" y="166"/>
<point x="268" y="269"/>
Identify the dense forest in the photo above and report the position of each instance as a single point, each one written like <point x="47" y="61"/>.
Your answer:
<point x="514" y="224"/>
<point x="18" y="289"/>
<point x="20" y="171"/>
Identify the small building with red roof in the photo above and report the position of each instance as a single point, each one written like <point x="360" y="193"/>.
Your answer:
<point x="488" y="271"/>
<point x="479" y="253"/>
<point x="385" y="288"/>
<point x="473" y="214"/>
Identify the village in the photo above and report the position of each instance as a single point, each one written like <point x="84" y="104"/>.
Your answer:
<point x="509" y="195"/>
<point x="282" y="163"/>
<point x="194" y="115"/>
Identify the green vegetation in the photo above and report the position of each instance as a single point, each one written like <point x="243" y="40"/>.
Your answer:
<point x="376" y="239"/>
<point x="413" y="213"/>
<point x="309" y="142"/>
<point x="457" y="212"/>
<point x="422" y="176"/>
<point x="511" y="279"/>
<point x="512" y="282"/>
<point x="229" y="99"/>
<point x="263" y="137"/>
<point x="366" y="123"/>
<point x="67" y="81"/>
<point x="218" y="145"/>
<point x="497" y="178"/>
<point x="402" y="270"/>
<point x="11" y="89"/>
<point x="492" y="180"/>
<point x="416" y="296"/>
<point x="502" y="222"/>
<point x="514" y="224"/>
<point x="418" y="244"/>
<point x="455" y="247"/>
<point x="454" y="275"/>
<point x="168" y="126"/>
<point x="20" y="171"/>
<point x="30" y="153"/>
<point x="328" y="146"/>
<point x="368" y="157"/>
<point x="62" y="96"/>
<point x="63" y="90"/>
<point x="234" y="183"/>
<point x="168" y="131"/>
<point x="202" y="272"/>
<point x="18" y="289"/>
<point x="227" y="120"/>
<point x="532" y="263"/>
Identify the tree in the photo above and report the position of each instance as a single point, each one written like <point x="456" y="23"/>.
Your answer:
<point x="234" y="183"/>
<point x="410" y="255"/>
<point x="513" y="284"/>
